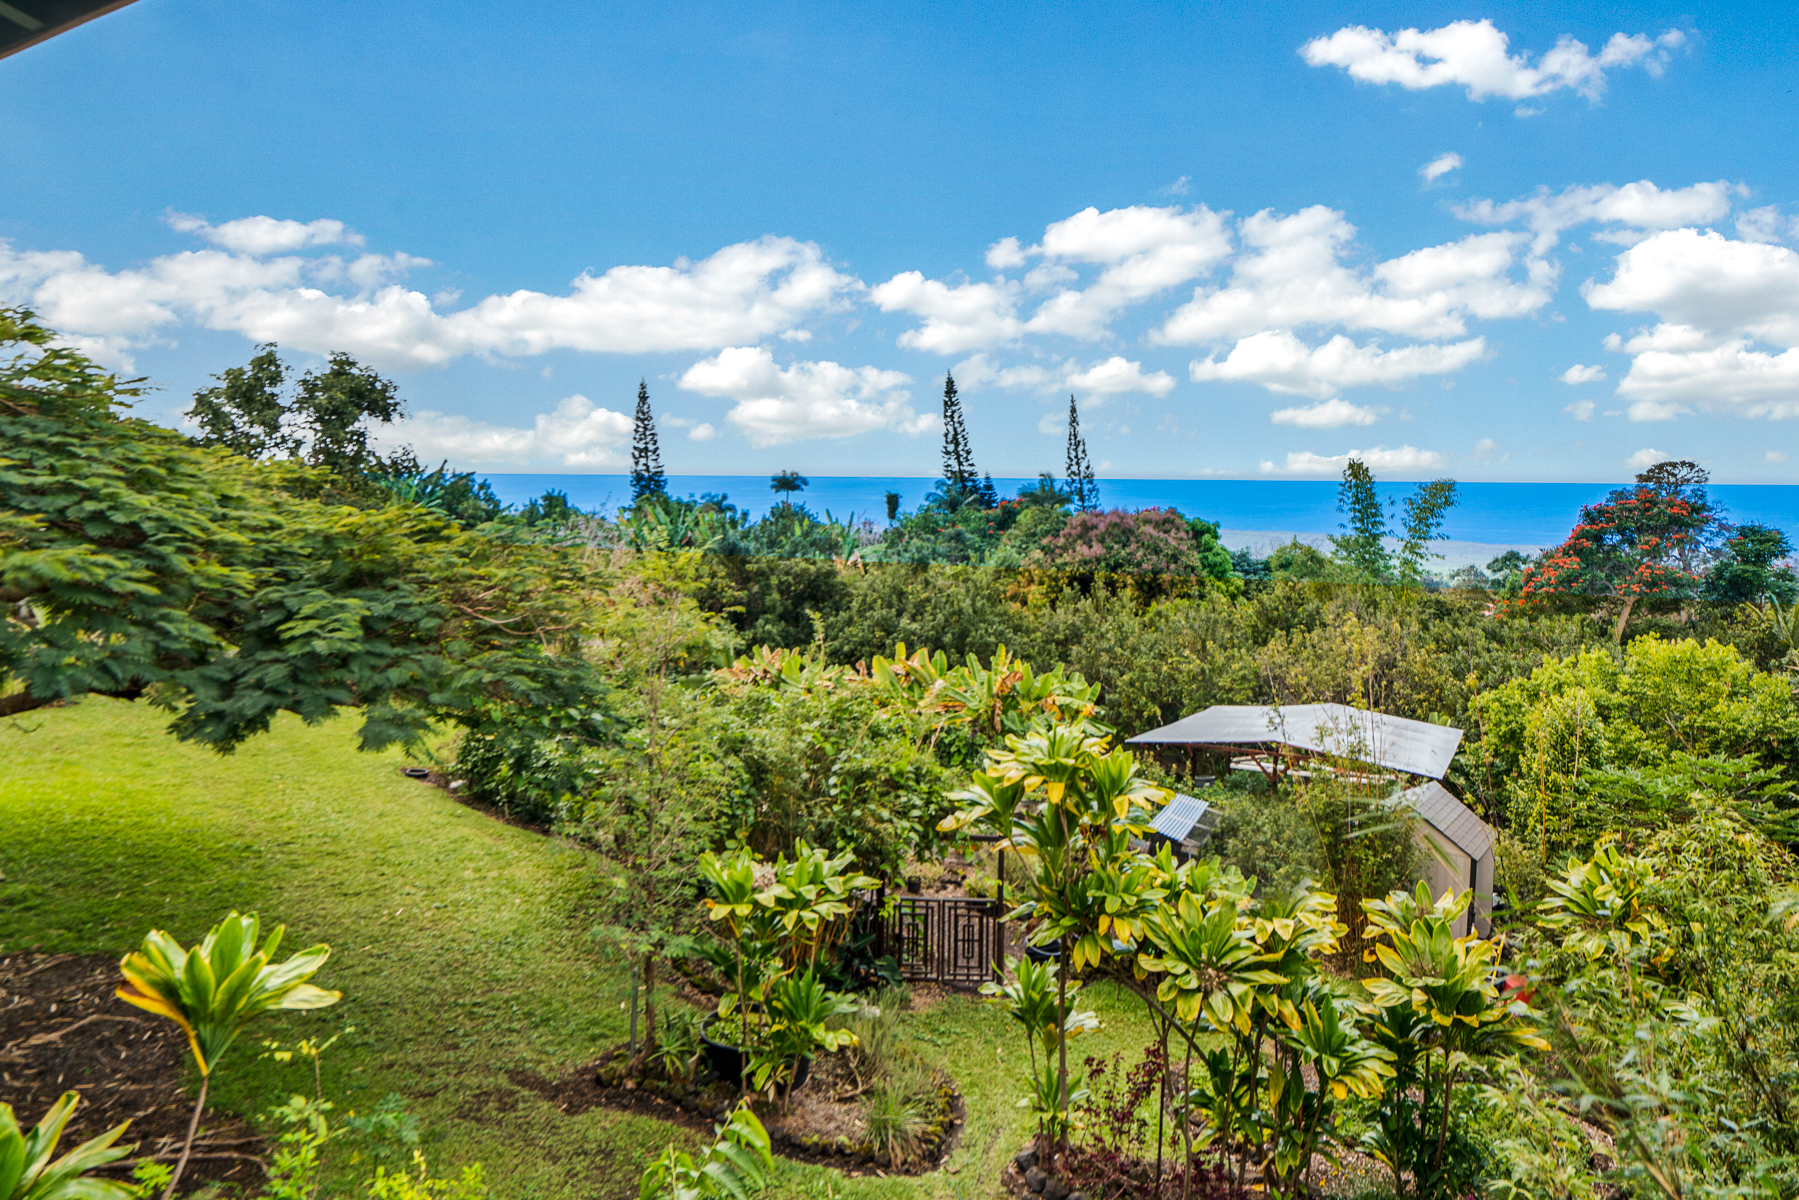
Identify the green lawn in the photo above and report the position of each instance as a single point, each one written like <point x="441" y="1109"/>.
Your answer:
<point x="459" y="942"/>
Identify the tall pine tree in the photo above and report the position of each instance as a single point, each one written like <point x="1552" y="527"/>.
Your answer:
<point x="1083" y="490"/>
<point x="959" y="475"/>
<point x="646" y="456"/>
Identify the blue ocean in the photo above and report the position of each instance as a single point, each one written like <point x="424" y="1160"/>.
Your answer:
<point x="1488" y="514"/>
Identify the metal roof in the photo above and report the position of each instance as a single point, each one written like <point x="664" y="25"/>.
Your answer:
<point x="1452" y="819"/>
<point x="1178" y="817"/>
<point x="25" y="23"/>
<point x="1396" y="743"/>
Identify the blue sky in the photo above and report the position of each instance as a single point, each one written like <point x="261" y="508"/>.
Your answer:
<point x="1212" y="223"/>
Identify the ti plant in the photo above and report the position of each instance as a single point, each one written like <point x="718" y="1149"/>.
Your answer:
<point x="27" y="1171"/>
<point x="737" y="1162"/>
<point x="1441" y="1006"/>
<point x="215" y="989"/>
<point x="1032" y="1000"/>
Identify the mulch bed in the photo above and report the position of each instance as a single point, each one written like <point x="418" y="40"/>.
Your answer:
<point x="706" y="1103"/>
<point x="62" y="1029"/>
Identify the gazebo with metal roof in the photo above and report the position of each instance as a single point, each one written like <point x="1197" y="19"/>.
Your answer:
<point x="1272" y="736"/>
<point x="1288" y="739"/>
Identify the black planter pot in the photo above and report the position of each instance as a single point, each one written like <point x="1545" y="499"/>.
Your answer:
<point x="728" y="1061"/>
<point x="1045" y="954"/>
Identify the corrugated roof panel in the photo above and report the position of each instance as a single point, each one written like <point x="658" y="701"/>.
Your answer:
<point x="1396" y="743"/>
<point x="1179" y="816"/>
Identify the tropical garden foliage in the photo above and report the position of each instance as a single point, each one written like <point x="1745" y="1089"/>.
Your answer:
<point x="754" y="728"/>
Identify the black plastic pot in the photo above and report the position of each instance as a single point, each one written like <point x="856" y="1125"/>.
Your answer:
<point x="728" y="1061"/>
<point x="1045" y="954"/>
<point x="416" y="772"/>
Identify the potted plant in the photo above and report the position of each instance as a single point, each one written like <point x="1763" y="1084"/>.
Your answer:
<point x="775" y="1016"/>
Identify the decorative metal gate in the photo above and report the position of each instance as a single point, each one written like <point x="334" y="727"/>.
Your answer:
<point x="939" y="940"/>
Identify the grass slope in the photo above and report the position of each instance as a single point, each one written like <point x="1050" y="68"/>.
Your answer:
<point x="458" y="942"/>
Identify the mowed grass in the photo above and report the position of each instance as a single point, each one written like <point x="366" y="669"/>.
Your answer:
<point x="460" y="945"/>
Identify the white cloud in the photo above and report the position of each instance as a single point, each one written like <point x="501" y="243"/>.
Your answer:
<point x="1440" y="166"/>
<point x="703" y="432"/>
<point x="1282" y="363"/>
<point x="261" y="236"/>
<point x="1709" y="282"/>
<point x="1005" y="254"/>
<point x="1487" y="452"/>
<point x="1716" y="299"/>
<point x="1473" y="54"/>
<point x="745" y="291"/>
<point x="1643" y="459"/>
<point x="1291" y="275"/>
<point x="1326" y="414"/>
<point x="808" y="399"/>
<point x="1403" y="460"/>
<point x="1106" y="377"/>
<point x="1637" y="207"/>
<point x="1766" y="224"/>
<point x="576" y="434"/>
<point x="1578" y="374"/>
<point x="1141" y="251"/>
<point x="967" y="316"/>
<point x="1580" y="410"/>
<point x="1179" y="187"/>
<point x="1775" y="456"/>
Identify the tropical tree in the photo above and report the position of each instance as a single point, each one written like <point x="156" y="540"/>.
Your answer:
<point x="215" y="989"/>
<point x="1652" y="541"/>
<point x="960" y="479"/>
<point x="1360" y="546"/>
<point x="1751" y="571"/>
<point x="136" y="565"/>
<point x="29" y="1172"/>
<point x="647" y="477"/>
<point x="786" y="483"/>
<point x="1083" y="491"/>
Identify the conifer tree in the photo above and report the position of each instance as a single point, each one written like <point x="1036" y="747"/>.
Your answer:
<point x="958" y="461"/>
<point x="646" y="457"/>
<point x="1083" y="491"/>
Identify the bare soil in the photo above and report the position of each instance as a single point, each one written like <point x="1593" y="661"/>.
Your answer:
<point x="62" y="1029"/>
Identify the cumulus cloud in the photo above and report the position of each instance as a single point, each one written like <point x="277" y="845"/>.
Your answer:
<point x="1291" y="274"/>
<point x="266" y="235"/>
<point x="1631" y="210"/>
<point x="1137" y="252"/>
<point x="1401" y="460"/>
<point x="1474" y="55"/>
<point x="320" y="304"/>
<point x="1488" y="452"/>
<point x="1727" y="339"/>
<point x="1577" y="374"/>
<point x="1775" y="456"/>
<point x="776" y="404"/>
<point x="577" y="434"/>
<point x="1107" y="377"/>
<point x="1280" y="362"/>
<point x="1643" y="459"/>
<point x="1440" y="166"/>
<point x="1580" y="410"/>
<point x="1326" y="414"/>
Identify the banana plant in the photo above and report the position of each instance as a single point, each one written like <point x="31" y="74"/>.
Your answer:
<point x="215" y="989"/>
<point x="737" y="1162"/>
<point x="27" y="1171"/>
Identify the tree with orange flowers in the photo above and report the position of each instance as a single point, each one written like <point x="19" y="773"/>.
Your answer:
<point x="1649" y="541"/>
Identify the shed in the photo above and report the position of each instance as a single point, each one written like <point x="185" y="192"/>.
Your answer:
<point x="1460" y="847"/>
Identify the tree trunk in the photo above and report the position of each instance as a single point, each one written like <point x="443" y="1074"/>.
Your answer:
<point x="1062" y="1048"/>
<point x="1630" y="602"/>
<point x="193" y="1128"/>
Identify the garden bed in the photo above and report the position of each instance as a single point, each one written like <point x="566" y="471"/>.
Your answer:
<point x="62" y="1029"/>
<point x="822" y="1126"/>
